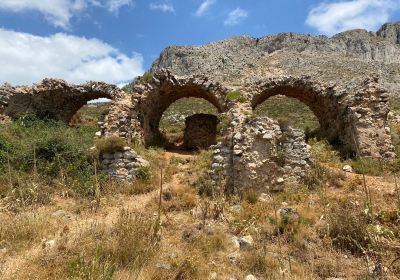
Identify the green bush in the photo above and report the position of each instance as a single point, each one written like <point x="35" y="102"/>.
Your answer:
<point x="143" y="173"/>
<point x="368" y="166"/>
<point x="235" y="96"/>
<point x="147" y="77"/>
<point x="53" y="145"/>
<point x="110" y="145"/>
<point x="5" y="149"/>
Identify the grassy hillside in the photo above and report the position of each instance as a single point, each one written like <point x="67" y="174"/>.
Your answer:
<point x="61" y="219"/>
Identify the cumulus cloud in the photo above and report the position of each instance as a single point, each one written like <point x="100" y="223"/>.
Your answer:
<point x="236" y="16"/>
<point x="27" y="58"/>
<point x="60" y="12"/>
<point x="334" y="17"/>
<point x="204" y="7"/>
<point x="163" y="7"/>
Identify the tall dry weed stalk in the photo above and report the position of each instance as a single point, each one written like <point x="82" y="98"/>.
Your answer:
<point x="368" y="198"/>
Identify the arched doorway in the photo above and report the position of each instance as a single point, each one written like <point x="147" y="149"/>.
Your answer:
<point x="155" y="103"/>
<point x="320" y="110"/>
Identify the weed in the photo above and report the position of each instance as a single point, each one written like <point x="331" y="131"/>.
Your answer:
<point x="147" y="77"/>
<point x="235" y="96"/>
<point x="110" y="145"/>
<point x="348" y="228"/>
<point x="100" y="267"/>
<point x="143" y="173"/>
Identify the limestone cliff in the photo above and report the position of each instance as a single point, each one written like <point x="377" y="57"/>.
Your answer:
<point x="351" y="54"/>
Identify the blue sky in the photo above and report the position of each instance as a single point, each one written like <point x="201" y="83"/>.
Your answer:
<point x="115" y="40"/>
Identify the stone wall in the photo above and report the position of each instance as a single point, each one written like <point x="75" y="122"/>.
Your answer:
<point x="123" y="165"/>
<point x="53" y="98"/>
<point x="261" y="155"/>
<point x="200" y="131"/>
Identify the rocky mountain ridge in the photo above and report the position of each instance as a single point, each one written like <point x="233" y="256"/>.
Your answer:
<point x="359" y="51"/>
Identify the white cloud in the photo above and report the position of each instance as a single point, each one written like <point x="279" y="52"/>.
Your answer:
<point x="60" y="12"/>
<point x="236" y="16"/>
<point x="164" y="7"/>
<point x="114" y="5"/>
<point x="331" y="18"/>
<point x="27" y="58"/>
<point x="204" y="7"/>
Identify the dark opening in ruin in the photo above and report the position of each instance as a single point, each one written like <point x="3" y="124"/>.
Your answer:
<point x="189" y="123"/>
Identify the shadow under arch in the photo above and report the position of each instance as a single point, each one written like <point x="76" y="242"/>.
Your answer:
<point x="156" y="102"/>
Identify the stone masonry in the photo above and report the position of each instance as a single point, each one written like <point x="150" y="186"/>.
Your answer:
<point x="200" y="131"/>
<point x="123" y="165"/>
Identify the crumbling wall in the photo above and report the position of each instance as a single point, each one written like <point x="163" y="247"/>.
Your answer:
<point x="253" y="151"/>
<point x="259" y="154"/>
<point x="52" y="98"/>
<point x="123" y="165"/>
<point x="200" y="131"/>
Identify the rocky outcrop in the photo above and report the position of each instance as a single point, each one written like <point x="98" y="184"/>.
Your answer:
<point x="52" y="98"/>
<point x="391" y="32"/>
<point x="348" y="55"/>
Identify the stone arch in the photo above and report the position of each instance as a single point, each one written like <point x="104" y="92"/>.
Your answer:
<point x="54" y="98"/>
<point x="323" y="100"/>
<point x="164" y="90"/>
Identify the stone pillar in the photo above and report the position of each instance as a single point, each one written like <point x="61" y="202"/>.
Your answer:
<point x="367" y="126"/>
<point x="123" y="165"/>
<point x="200" y="131"/>
<point x="257" y="153"/>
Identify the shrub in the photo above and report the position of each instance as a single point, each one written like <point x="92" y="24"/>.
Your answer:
<point x="143" y="173"/>
<point x="100" y="267"/>
<point x="319" y="176"/>
<point x="235" y="96"/>
<point x="54" y="154"/>
<point x="250" y="195"/>
<point x="5" y="150"/>
<point x="324" y="152"/>
<point x="348" y="228"/>
<point x="368" y="166"/>
<point x="183" y="198"/>
<point x="109" y="145"/>
<point x="136" y="240"/>
<point x="147" y="77"/>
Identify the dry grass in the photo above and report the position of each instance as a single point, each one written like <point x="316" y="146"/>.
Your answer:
<point x="22" y="231"/>
<point x="180" y="198"/>
<point x="110" y="145"/>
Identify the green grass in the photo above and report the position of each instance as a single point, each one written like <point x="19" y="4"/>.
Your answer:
<point x="90" y="114"/>
<point x="288" y="110"/>
<point x="36" y="154"/>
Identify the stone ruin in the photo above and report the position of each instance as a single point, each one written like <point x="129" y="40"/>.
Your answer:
<point x="200" y="131"/>
<point x="123" y="165"/>
<point x="253" y="151"/>
<point x="236" y="75"/>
